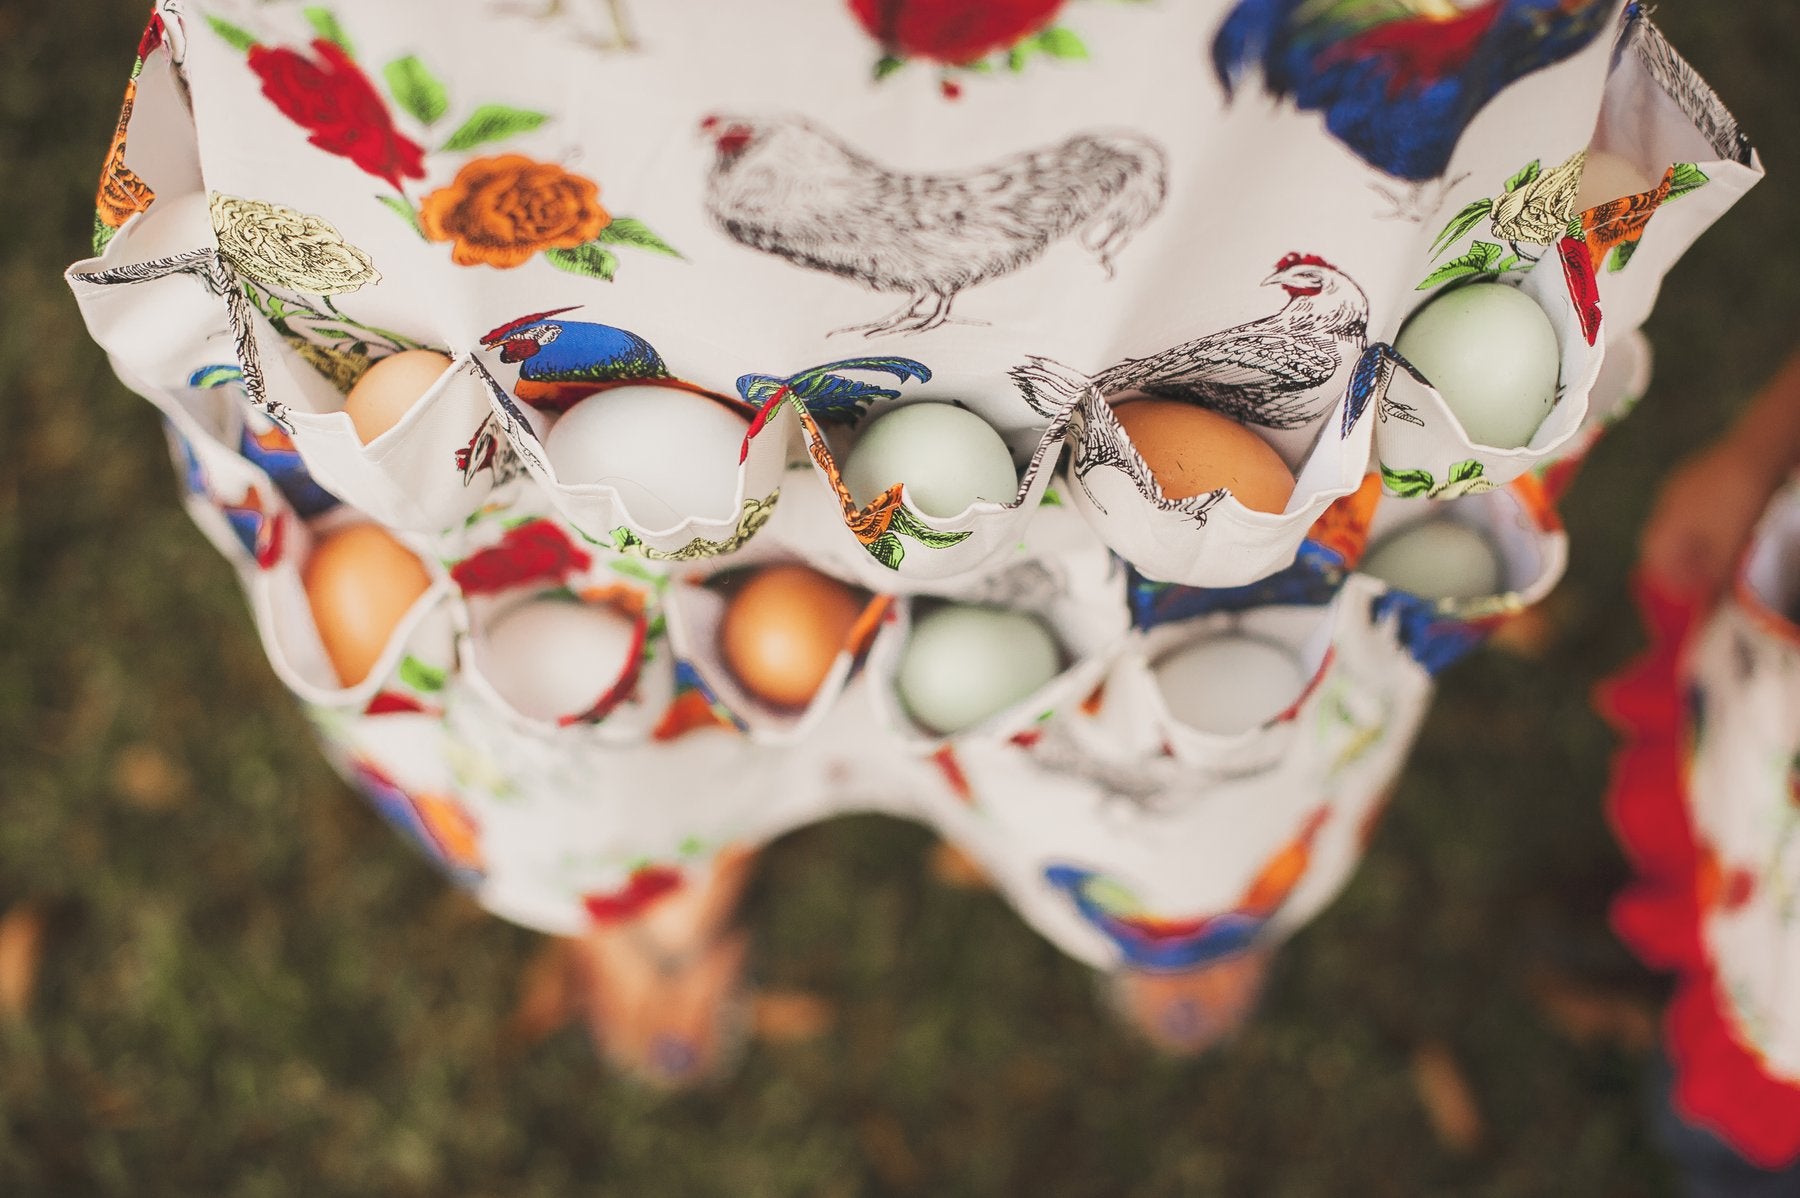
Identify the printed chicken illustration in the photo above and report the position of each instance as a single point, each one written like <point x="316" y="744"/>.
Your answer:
<point x="1273" y="372"/>
<point x="787" y="187"/>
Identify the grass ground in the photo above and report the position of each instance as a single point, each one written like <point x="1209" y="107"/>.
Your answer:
<point x="248" y="987"/>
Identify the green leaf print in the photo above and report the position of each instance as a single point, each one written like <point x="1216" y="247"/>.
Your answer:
<point x="326" y="26"/>
<point x="1483" y="258"/>
<point x="909" y="525"/>
<point x="237" y="38"/>
<point x="634" y="569"/>
<point x="1461" y="224"/>
<point x="626" y="230"/>
<point x="887" y="66"/>
<point x="888" y="550"/>
<point x="1527" y="175"/>
<point x="1466" y="472"/>
<point x="1621" y="256"/>
<point x="1407" y="484"/>
<point x="421" y="677"/>
<point x="405" y="211"/>
<point x="589" y="259"/>
<point x="493" y="122"/>
<point x="1058" y="42"/>
<point x="416" y="89"/>
<point x="1688" y="178"/>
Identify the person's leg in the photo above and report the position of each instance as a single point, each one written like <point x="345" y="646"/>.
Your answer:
<point x="662" y="993"/>
<point x="1709" y="1167"/>
<point x="1186" y="1013"/>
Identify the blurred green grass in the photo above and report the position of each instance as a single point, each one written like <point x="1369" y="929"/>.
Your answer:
<point x="249" y="987"/>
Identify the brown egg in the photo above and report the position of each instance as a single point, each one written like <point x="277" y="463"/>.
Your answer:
<point x="1192" y="451"/>
<point x="388" y="390"/>
<point x="783" y="629"/>
<point x="360" y="582"/>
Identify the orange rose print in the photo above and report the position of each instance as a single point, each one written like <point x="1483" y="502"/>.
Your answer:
<point x="502" y="211"/>
<point x="1623" y="220"/>
<point x="122" y="193"/>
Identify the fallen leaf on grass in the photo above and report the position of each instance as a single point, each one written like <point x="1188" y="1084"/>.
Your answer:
<point x="146" y="778"/>
<point x="791" y="1016"/>
<point x="21" y="949"/>
<point x="884" y="1146"/>
<point x="547" y="999"/>
<point x="111" y="1105"/>
<point x="1447" y="1097"/>
<point x="1588" y="1014"/>
<point x="953" y="867"/>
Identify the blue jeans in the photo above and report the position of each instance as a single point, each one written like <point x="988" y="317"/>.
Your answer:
<point x="1709" y="1167"/>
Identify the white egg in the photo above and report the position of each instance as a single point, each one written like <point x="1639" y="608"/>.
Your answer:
<point x="1608" y="176"/>
<point x="1492" y="354"/>
<point x="671" y="454"/>
<point x="552" y="658"/>
<point x="947" y="457"/>
<point x="963" y="664"/>
<point x="1229" y="684"/>
<point x="1437" y="558"/>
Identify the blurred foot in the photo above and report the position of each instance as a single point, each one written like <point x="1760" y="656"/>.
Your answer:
<point x="1186" y="1013"/>
<point x="663" y="995"/>
<point x="672" y="1022"/>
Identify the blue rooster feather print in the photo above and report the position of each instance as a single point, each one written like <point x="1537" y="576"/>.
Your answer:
<point x="258" y="528"/>
<point x="827" y="393"/>
<point x="1314" y="579"/>
<point x="1171" y="943"/>
<point x="564" y="361"/>
<point x="1398" y="81"/>
<point x="273" y="451"/>
<point x="1434" y="640"/>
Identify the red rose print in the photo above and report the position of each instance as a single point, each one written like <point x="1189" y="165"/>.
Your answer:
<point x="1578" y="271"/>
<point x="534" y="552"/>
<point x="153" y="36"/>
<point x="394" y="703"/>
<point x="952" y="31"/>
<point x="645" y="886"/>
<point x="335" y="101"/>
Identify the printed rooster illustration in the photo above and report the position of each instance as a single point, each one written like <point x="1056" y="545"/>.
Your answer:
<point x="787" y="187"/>
<point x="1173" y="943"/>
<point x="1398" y="81"/>
<point x="568" y="360"/>
<point x="272" y="449"/>
<point x="1273" y="372"/>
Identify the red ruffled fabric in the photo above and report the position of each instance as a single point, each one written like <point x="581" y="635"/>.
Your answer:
<point x="1720" y="1082"/>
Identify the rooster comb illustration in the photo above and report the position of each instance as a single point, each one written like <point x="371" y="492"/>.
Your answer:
<point x="495" y="336"/>
<point x="1293" y="260"/>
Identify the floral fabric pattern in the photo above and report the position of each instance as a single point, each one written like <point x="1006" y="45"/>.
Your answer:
<point x="503" y="211"/>
<point x="280" y="247"/>
<point x="329" y="96"/>
<point x="715" y="217"/>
